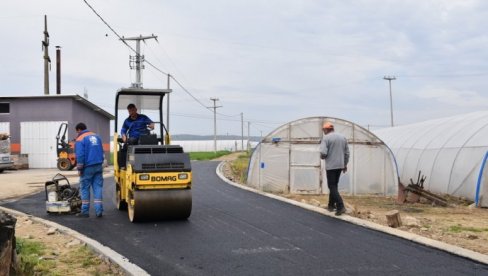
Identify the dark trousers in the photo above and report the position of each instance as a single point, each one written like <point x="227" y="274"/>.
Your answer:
<point x="335" y="199"/>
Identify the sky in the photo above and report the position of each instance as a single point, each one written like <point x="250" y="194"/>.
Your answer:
<point x="274" y="61"/>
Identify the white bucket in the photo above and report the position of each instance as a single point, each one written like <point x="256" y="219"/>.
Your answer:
<point x="52" y="197"/>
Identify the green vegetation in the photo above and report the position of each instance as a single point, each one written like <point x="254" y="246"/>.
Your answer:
<point x="193" y="155"/>
<point x="30" y="256"/>
<point x="459" y="228"/>
<point x="36" y="258"/>
<point x="239" y="167"/>
<point x="83" y="256"/>
<point x="207" y="155"/>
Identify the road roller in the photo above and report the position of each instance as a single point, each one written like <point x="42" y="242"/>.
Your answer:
<point x="65" y="149"/>
<point x="153" y="178"/>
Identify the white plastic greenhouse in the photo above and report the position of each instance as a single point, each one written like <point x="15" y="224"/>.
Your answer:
<point x="288" y="160"/>
<point x="450" y="152"/>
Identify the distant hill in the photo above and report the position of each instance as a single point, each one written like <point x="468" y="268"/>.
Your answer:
<point x="191" y="137"/>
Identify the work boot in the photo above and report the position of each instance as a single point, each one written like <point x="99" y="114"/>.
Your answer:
<point x="99" y="215"/>
<point x="340" y="211"/>
<point x="82" y="215"/>
<point x="330" y="208"/>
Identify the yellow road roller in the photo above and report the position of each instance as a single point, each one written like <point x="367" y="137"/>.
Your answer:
<point x="153" y="178"/>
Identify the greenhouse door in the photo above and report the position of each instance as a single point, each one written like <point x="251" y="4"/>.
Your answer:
<point x="305" y="169"/>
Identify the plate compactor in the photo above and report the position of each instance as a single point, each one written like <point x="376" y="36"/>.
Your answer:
<point x="61" y="197"/>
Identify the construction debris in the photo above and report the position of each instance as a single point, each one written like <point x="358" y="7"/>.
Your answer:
<point x="414" y="191"/>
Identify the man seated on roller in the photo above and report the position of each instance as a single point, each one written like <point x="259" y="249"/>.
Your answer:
<point x="135" y="125"/>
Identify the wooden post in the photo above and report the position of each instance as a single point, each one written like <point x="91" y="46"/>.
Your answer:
<point x="393" y="219"/>
<point x="8" y="256"/>
<point x="402" y="194"/>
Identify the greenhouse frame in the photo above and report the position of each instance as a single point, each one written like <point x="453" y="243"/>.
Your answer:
<point x="287" y="160"/>
<point x="450" y="152"/>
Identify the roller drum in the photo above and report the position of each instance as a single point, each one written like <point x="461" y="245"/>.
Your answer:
<point x="160" y="205"/>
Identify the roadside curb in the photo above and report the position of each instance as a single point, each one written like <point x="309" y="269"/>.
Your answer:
<point x="456" y="250"/>
<point x="123" y="262"/>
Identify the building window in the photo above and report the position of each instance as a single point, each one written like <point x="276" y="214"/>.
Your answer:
<point x="4" y="108"/>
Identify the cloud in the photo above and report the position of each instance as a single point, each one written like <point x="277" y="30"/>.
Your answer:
<point x="278" y="60"/>
<point x="456" y="98"/>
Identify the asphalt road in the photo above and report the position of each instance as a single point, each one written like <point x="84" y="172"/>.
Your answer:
<point x="236" y="232"/>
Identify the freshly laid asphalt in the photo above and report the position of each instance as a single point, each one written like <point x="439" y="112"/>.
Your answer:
<point x="236" y="232"/>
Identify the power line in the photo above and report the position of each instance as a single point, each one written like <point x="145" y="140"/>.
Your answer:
<point x="228" y="115"/>
<point x="188" y="92"/>
<point x="147" y="61"/>
<point x="105" y="22"/>
<point x="121" y="38"/>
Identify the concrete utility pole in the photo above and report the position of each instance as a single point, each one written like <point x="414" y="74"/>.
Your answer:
<point x="167" y="111"/>
<point x="215" y="121"/>
<point x="242" y="131"/>
<point x="47" y="60"/>
<point x="389" y="79"/>
<point x="248" y="136"/>
<point x="138" y="59"/>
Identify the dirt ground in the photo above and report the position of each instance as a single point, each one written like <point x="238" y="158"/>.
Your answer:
<point x="459" y="224"/>
<point x="69" y="255"/>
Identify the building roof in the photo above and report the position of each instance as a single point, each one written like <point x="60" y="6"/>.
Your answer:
<point x="76" y="97"/>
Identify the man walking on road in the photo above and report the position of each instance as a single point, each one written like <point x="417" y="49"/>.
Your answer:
<point x="89" y="158"/>
<point x="335" y="150"/>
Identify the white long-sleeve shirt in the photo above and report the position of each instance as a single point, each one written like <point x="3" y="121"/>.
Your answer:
<point x="336" y="151"/>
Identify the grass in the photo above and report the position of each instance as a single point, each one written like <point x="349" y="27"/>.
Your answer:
<point x="459" y="228"/>
<point x="240" y="166"/>
<point x="193" y="155"/>
<point x="30" y="257"/>
<point x="83" y="256"/>
<point x="33" y="260"/>
<point x="207" y="155"/>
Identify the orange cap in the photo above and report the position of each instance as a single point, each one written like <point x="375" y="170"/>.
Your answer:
<point x="328" y="126"/>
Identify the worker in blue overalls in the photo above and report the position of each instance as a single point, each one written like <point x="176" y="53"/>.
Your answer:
<point x="134" y="126"/>
<point x="89" y="159"/>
